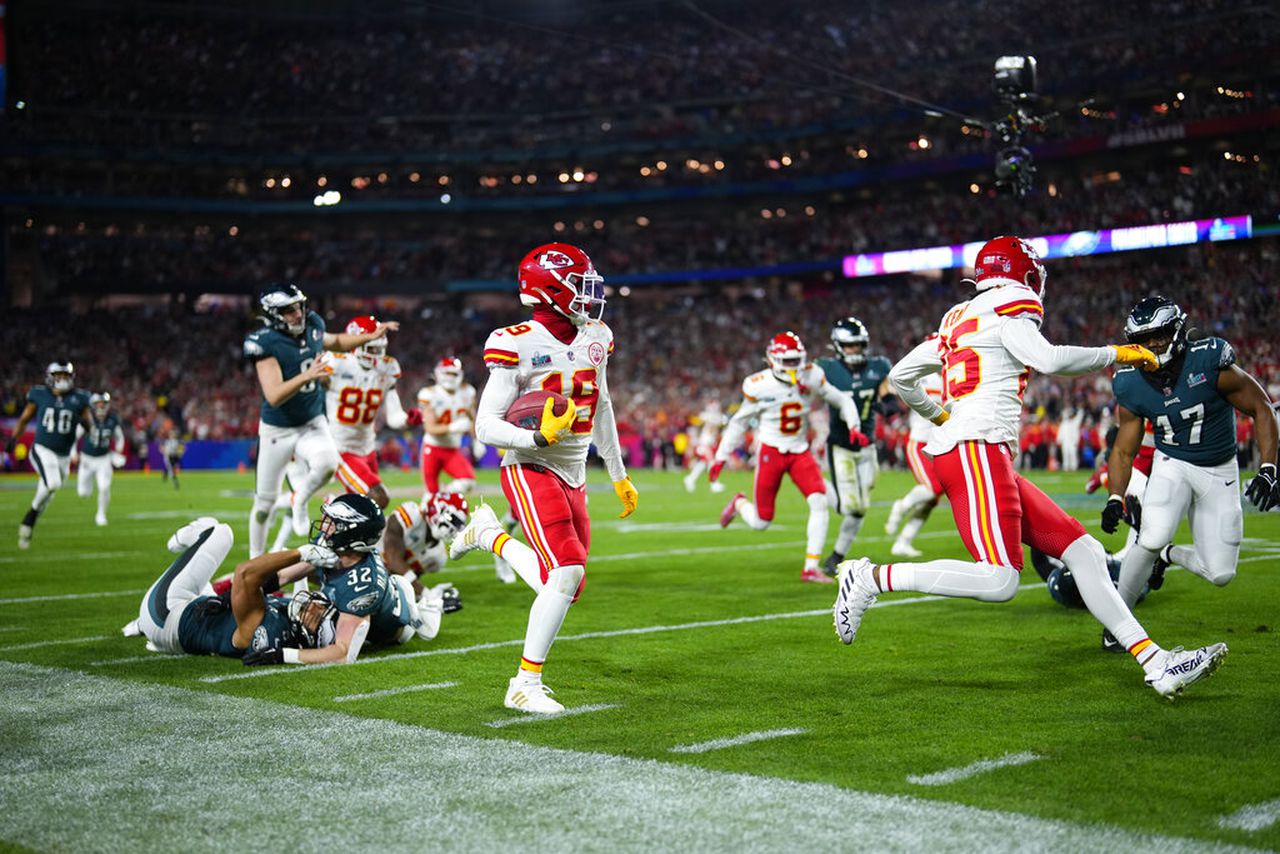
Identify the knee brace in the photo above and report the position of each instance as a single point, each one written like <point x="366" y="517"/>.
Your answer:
<point x="565" y="580"/>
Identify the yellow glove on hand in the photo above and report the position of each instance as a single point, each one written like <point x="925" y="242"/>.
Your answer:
<point x="1135" y="354"/>
<point x="627" y="495"/>
<point x="554" y="427"/>
<point x="941" y="418"/>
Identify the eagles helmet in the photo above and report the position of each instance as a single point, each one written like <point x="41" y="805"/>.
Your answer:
<point x="300" y="606"/>
<point x="101" y="403"/>
<point x="1158" y="317"/>
<point x="850" y="332"/>
<point x="60" y="376"/>
<point x="1064" y="590"/>
<point x="349" y="523"/>
<point x="276" y="299"/>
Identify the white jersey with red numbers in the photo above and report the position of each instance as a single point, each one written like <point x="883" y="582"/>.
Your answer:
<point x="783" y="409"/>
<point x="447" y="406"/>
<point x="355" y="395"/>
<point x="423" y="552"/>
<point x="713" y="420"/>
<point x="922" y="428"/>
<point x="575" y="370"/>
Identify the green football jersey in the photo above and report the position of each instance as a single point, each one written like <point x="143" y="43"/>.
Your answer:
<point x="863" y="384"/>
<point x="57" y="416"/>
<point x="366" y="590"/>
<point x="295" y="355"/>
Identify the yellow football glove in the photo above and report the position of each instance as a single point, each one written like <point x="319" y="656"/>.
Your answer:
<point x="627" y="495"/>
<point x="1135" y="354"/>
<point x="941" y="418"/>
<point x="554" y="427"/>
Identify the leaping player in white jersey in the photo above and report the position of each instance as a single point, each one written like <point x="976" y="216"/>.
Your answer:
<point x="912" y="510"/>
<point x="563" y="348"/>
<point x="709" y="423"/>
<point x="781" y="396"/>
<point x="448" y="412"/>
<point x="986" y="349"/>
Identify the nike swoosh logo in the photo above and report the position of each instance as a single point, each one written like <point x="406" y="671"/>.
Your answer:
<point x="1230" y="482"/>
<point x="360" y="587"/>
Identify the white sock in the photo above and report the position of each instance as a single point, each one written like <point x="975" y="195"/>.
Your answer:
<point x="747" y="511"/>
<point x="986" y="582"/>
<point x="696" y="468"/>
<point x="1135" y="569"/>
<point x="523" y="560"/>
<point x="282" y="535"/>
<point x="104" y="498"/>
<point x="849" y="528"/>
<point x="910" y="529"/>
<point x="43" y="496"/>
<point x="546" y="615"/>
<point x="1087" y="561"/>
<point x="919" y="497"/>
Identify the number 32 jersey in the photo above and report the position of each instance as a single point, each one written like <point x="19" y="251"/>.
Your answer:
<point x="575" y="370"/>
<point x="354" y="397"/>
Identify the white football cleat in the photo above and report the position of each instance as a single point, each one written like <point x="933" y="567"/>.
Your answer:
<point x="185" y="537"/>
<point x="430" y="613"/>
<point x="1182" y="667"/>
<point x="298" y="511"/>
<point x="24" y="536"/>
<point x="904" y="549"/>
<point x="100" y="520"/>
<point x="131" y="629"/>
<point x="690" y="484"/>
<point x="857" y="594"/>
<point x="895" y="518"/>
<point x="532" y="697"/>
<point x="717" y="486"/>
<point x="482" y="522"/>
<point x="506" y="574"/>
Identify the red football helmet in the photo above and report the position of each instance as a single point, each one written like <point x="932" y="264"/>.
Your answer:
<point x="563" y="277"/>
<point x="371" y="352"/>
<point x="786" y="357"/>
<point x="449" y="373"/>
<point x="446" y="514"/>
<point x="1008" y="261"/>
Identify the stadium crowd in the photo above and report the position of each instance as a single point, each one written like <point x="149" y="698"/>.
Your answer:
<point x="675" y="350"/>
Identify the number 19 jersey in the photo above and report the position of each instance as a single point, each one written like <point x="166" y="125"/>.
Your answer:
<point x="575" y="370"/>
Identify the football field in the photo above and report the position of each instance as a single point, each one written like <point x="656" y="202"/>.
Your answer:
<point x="709" y="704"/>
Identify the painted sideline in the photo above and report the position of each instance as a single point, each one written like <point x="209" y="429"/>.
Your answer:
<point x="734" y="741"/>
<point x="146" y="772"/>
<point x="982" y="766"/>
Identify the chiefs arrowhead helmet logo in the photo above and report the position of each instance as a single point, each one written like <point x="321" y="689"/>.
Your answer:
<point x="554" y="260"/>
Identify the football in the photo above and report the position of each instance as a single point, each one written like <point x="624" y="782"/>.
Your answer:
<point x="526" y="410"/>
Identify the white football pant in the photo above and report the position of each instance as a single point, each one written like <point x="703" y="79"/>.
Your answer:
<point x="313" y="444"/>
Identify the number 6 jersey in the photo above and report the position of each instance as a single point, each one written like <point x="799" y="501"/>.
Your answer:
<point x="536" y="359"/>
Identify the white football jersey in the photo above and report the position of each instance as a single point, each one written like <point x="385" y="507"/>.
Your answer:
<point x="423" y="551"/>
<point x="354" y="397"/>
<point x="575" y="370"/>
<point x="783" y="408"/>
<point x="984" y="381"/>
<point x="922" y="428"/>
<point x="447" y="406"/>
<point x="713" y="420"/>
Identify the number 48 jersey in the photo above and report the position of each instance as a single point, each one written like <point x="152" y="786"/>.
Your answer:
<point x="354" y="397"/>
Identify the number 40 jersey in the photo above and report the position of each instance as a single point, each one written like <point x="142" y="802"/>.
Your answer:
<point x="354" y="397"/>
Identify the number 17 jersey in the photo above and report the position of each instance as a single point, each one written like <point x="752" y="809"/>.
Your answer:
<point x="575" y="370"/>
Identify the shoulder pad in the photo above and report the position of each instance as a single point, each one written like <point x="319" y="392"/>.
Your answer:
<point x="1020" y="302"/>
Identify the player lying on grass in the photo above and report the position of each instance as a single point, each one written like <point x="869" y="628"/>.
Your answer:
<point x="180" y="613"/>
<point x="415" y="541"/>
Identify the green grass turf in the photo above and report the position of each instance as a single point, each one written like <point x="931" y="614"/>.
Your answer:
<point x="928" y="686"/>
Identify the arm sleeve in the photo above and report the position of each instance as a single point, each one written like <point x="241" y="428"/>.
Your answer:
<point x="396" y="416"/>
<point x="736" y="428"/>
<point x="842" y="401"/>
<point x="492" y="427"/>
<point x="118" y="439"/>
<point x="1022" y="338"/>
<point x="905" y="378"/>
<point x="604" y="432"/>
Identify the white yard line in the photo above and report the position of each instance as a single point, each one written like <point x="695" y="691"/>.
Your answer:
<point x="639" y="630"/>
<point x="390" y="692"/>
<point x="1253" y="817"/>
<point x="135" y="659"/>
<point x="954" y="775"/>
<point x="586" y="801"/>
<point x="59" y="642"/>
<point x="67" y="556"/>
<point x="64" y="597"/>
<point x="734" y="741"/>
<point x="533" y="719"/>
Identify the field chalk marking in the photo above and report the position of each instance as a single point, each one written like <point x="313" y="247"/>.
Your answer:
<point x="348" y="698"/>
<point x="734" y="741"/>
<point x="533" y="719"/>
<point x="954" y="775"/>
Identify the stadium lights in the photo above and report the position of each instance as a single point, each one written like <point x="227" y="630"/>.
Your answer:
<point x="327" y="199"/>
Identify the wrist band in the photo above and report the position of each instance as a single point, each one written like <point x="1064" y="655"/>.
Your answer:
<point x="290" y="655"/>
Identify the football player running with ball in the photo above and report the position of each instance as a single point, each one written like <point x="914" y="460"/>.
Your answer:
<point x="564" y="348"/>
<point x="286" y="356"/>
<point x="986" y="349"/>
<point x="363" y="382"/>
<point x="781" y="397"/>
<point x="1191" y="400"/>
<point x="57" y="407"/>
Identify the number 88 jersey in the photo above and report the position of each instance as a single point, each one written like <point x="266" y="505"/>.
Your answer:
<point x="575" y="370"/>
<point x="354" y="397"/>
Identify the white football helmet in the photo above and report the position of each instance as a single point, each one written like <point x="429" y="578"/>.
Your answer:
<point x="101" y="403"/>
<point x="449" y="373"/>
<point x="60" y="376"/>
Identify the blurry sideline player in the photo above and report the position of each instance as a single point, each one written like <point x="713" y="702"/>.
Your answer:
<point x="372" y="606"/>
<point x="361" y="383"/>
<point x="709" y="423"/>
<point x="564" y="347"/>
<point x="852" y="462"/>
<point x="986" y="348"/>
<point x="448" y="412"/>
<point x="780" y="397"/>
<point x="101" y="453"/>
<point x="285" y="354"/>
<point x="416" y="543"/>
<point x="180" y="613"/>
<point x="1192" y="401"/>
<point x="57" y="407"/>
<point x="916" y="505"/>
<point x="172" y="449"/>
